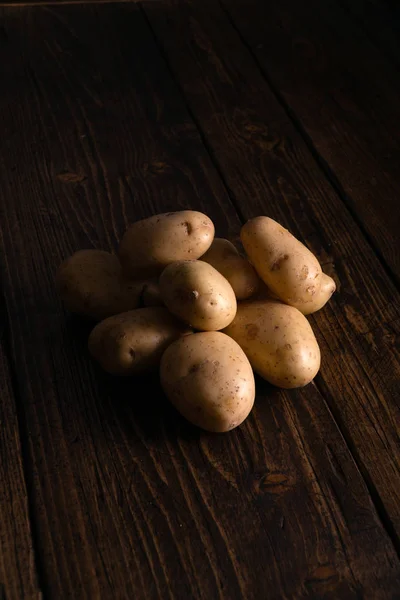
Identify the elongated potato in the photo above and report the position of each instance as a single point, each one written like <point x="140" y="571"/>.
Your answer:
<point x="151" y="244"/>
<point x="285" y="265"/>
<point x="196" y="293"/>
<point x="208" y="378"/>
<point x="328" y="287"/>
<point x="278" y="341"/>
<point x="91" y="284"/>
<point x="223" y="256"/>
<point x="133" y="342"/>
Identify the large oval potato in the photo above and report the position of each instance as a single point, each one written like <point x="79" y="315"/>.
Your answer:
<point x="196" y="293"/>
<point x="151" y="244"/>
<point x="209" y="380"/>
<point x="327" y="289"/>
<point x="285" y="265"/>
<point x="91" y="283"/>
<point x="278" y="341"/>
<point x="223" y="256"/>
<point x="133" y="342"/>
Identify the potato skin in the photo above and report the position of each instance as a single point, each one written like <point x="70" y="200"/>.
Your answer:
<point x="327" y="289"/>
<point x="91" y="283"/>
<point x="151" y="294"/>
<point x="223" y="256"/>
<point x="285" y="265"/>
<point x="196" y="293"/>
<point x="209" y="380"/>
<point x="278" y="341"/>
<point x="133" y="342"/>
<point x="151" y="244"/>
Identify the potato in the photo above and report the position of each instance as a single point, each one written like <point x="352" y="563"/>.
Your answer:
<point x="223" y="256"/>
<point x="328" y="287"/>
<point x="209" y="380"/>
<point x="151" y="294"/>
<point x="151" y="244"/>
<point x="278" y="341"/>
<point x="91" y="283"/>
<point x="285" y="265"/>
<point x="133" y="342"/>
<point x="196" y="293"/>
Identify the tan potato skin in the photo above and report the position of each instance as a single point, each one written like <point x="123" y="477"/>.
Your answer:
<point x="209" y="380"/>
<point x="223" y="256"/>
<point x="278" y="341"/>
<point x="285" y="265"/>
<point x="327" y="289"/>
<point x="91" y="283"/>
<point x="133" y="342"/>
<point x="196" y="293"/>
<point x="151" y="244"/>
<point x="151" y="294"/>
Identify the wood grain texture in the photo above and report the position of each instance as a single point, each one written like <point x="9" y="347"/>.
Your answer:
<point x="380" y="19"/>
<point x="346" y="97"/>
<point x="129" y="500"/>
<point x="268" y="170"/>
<point x="18" y="576"/>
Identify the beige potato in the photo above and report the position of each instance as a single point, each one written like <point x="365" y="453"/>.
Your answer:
<point x="91" y="284"/>
<point x="196" y="293"/>
<point x="278" y="341"/>
<point x="327" y="289"/>
<point x="223" y="256"/>
<point x="151" y="294"/>
<point x="151" y="244"/>
<point x="209" y="380"/>
<point x="133" y="342"/>
<point x="285" y="265"/>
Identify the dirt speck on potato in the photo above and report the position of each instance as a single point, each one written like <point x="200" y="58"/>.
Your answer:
<point x="251" y="331"/>
<point x="278" y="263"/>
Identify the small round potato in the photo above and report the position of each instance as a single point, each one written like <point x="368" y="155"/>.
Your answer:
<point x="91" y="284"/>
<point x="223" y="256"/>
<point x="151" y="244"/>
<point x="278" y="341"/>
<point x="133" y="342"/>
<point x="196" y="293"/>
<point x="285" y="265"/>
<point x="209" y="380"/>
<point x="327" y="289"/>
<point x="151" y="294"/>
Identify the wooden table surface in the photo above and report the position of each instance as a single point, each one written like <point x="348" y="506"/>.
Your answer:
<point x="110" y="112"/>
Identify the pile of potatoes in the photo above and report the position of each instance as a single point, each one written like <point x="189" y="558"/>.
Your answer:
<point x="178" y="299"/>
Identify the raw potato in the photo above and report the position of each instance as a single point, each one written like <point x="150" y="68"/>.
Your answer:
<point x="223" y="256"/>
<point x="133" y="342"/>
<point x="285" y="265"/>
<point x="209" y="380"/>
<point x="151" y="244"/>
<point x="328" y="287"/>
<point x="91" y="284"/>
<point x="278" y="341"/>
<point x="151" y="294"/>
<point x="196" y="293"/>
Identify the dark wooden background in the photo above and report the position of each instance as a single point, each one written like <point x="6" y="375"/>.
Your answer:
<point x="112" y="112"/>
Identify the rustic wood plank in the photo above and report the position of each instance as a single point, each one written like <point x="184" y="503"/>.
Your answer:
<point x="346" y="97"/>
<point x="43" y="3"/>
<point x="381" y="20"/>
<point x="268" y="169"/>
<point x="129" y="500"/>
<point x="18" y="576"/>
